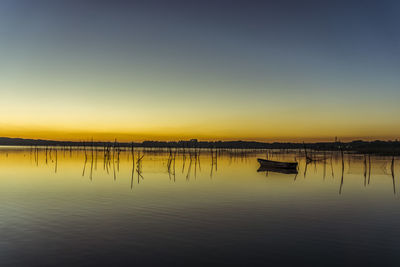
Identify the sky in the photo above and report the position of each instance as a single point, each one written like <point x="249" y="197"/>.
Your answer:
<point x="213" y="70"/>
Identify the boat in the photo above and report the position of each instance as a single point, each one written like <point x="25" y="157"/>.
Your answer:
<point x="277" y="164"/>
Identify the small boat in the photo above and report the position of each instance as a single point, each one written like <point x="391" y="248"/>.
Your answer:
<point x="277" y="164"/>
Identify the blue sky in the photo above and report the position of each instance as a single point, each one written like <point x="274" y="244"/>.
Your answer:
<point x="264" y="70"/>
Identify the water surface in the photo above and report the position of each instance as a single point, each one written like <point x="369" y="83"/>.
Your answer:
<point x="91" y="208"/>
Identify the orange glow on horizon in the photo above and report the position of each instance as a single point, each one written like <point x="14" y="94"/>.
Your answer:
<point x="139" y="137"/>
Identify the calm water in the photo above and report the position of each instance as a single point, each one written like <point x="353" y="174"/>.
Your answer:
<point x="77" y="210"/>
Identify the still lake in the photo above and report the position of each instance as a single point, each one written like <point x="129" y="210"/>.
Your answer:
<point x="64" y="207"/>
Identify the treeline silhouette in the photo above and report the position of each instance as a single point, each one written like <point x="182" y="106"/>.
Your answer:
<point x="359" y="146"/>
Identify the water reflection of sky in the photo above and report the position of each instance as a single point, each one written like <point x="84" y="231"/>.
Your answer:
<point x="210" y="205"/>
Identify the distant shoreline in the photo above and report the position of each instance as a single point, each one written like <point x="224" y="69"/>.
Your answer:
<point x="359" y="146"/>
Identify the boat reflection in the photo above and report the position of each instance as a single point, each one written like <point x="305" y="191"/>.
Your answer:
<point x="277" y="170"/>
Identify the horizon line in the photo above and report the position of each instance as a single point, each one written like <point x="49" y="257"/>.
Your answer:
<point x="336" y="140"/>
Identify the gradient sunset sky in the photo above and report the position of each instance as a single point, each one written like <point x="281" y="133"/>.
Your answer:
<point x="170" y="70"/>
